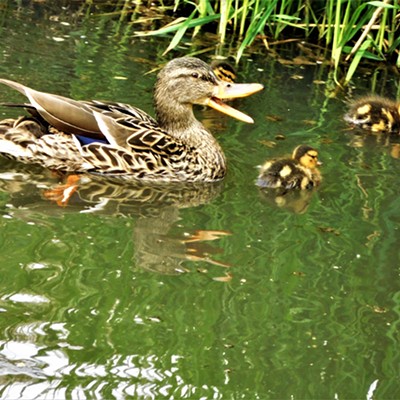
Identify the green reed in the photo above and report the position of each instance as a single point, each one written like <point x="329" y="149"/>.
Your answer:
<point x="349" y="30"/>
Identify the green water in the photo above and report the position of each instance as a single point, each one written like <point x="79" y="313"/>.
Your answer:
<point x="124" y="294"/>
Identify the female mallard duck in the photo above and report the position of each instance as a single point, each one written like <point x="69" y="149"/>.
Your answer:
<point x="375" y="114"/>
<point x="118" y="140"/>
<point x="224" y="71"/>
<point x="298" y="172"/>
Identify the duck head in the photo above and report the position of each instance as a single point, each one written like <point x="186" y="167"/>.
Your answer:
<point x="186" y="81"/>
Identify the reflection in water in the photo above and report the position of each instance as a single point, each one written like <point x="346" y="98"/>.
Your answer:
<point x="158" y="251"/>
<point x="296" y="201"/>
<point x="360" y="138"/>
<point x="156" y="206"/>
<point x="34" y="376"/>
<point x="42" y="357"/>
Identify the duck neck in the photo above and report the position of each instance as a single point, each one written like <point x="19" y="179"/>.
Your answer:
<point x="179" y="121"/>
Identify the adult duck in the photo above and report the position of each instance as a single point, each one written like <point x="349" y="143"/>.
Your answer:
<point x="118" y="140"/>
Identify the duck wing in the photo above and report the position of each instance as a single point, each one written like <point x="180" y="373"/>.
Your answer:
<point x="142" y="151"/>
<point x="72" y="116"/>
<point x="121" y="110"/>
<point x="66" y="115"/>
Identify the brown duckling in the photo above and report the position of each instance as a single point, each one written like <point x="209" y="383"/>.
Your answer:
<point x="375" y="114"/>
<point x="298" y="172"/>
<point x="224" y="71"/>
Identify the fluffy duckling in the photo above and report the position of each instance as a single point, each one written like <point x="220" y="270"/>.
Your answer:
<point x="298" y="172"/>
<point x="375" y="114"/>
<point x="224" y="71"/>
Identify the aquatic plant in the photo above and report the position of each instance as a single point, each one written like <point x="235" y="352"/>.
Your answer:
<point x="344" y="33"/>
<point x="349" y="30"/>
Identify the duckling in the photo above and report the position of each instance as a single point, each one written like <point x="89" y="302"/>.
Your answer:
<point x="224" y="71"/>
<point x="375" y="114"/>
<point x="298" y="172"/>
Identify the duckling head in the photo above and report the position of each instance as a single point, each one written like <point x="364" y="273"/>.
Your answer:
<point x="307" y="156"/>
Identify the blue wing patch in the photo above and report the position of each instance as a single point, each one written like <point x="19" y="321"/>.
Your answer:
<point x="87" y="140"/>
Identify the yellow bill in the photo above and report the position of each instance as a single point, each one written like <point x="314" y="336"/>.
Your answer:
<point x="229" y="91"/>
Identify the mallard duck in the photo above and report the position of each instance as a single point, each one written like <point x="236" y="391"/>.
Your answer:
<point x="375" y="114"/>
<point x="224" y="71"/>
<point x="118" y="140"/>
<point x="298" y="172"/>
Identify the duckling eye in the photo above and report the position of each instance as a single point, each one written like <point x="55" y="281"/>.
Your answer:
<point x="195" y="75"/>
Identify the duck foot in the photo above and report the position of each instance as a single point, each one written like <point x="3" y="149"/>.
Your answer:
<point x="62" y="193"/>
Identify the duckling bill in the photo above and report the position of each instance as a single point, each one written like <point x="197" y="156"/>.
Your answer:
<point x="375" y="114"/>
<point x="119" y="140"/>
<point x="298" y="172"/>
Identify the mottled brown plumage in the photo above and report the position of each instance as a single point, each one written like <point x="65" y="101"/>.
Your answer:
<point x="119" y="140"/>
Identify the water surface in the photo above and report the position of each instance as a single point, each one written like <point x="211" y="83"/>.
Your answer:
<point x="212" y="291"/>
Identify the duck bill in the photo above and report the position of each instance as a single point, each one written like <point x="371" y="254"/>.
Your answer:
<point x="219" y="105"/>
<point x="236" y="90"/>
<point x="233" y="91"/>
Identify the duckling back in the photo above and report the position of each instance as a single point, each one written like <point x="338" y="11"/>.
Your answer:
<point x="298" y="172"/>
<point x="375" y="114"/>
<point x="285" y="174"/>
<point x="224" y="71"/>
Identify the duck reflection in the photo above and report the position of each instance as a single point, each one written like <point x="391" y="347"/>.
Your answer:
<point x="155" y="207"/>
<point x="296" y="201"/>
<point x="161" y="252"/>
<point x="361" y="139"/>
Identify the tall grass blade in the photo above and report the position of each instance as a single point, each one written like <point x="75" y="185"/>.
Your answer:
<point x="356" y="60"/>
<point x="223" y="22"/>
<point x="256" y="26"/>
<point x="179" y="34"/>
<point x="177" y="25"/>
<point x="245" y="10"/>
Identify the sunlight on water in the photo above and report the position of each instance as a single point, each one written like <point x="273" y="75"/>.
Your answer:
<point x="208" y="290"/>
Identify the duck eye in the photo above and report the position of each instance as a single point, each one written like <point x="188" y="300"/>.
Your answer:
<point x="313" y="155"/>
<point x="195" y="75"/>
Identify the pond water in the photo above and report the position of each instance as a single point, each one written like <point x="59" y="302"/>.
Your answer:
<point x="213" y="291"/>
